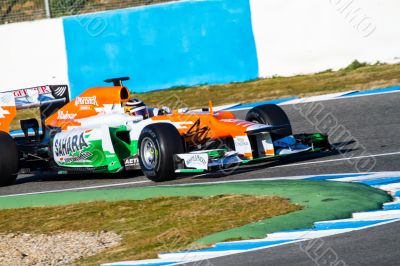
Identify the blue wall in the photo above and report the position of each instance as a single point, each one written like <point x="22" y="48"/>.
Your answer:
<point x="162" y="46"/>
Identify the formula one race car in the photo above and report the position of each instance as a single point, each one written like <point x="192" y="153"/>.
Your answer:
<point x="104" y="130"/>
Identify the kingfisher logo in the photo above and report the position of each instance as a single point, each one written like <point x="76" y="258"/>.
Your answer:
<point x="86" y="103"/>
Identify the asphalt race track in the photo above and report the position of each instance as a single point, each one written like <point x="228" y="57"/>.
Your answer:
<point x="365" y="247"/>
<point x="372" y="124"/>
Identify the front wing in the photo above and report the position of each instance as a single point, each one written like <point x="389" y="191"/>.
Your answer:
<point x="209" y="160"/>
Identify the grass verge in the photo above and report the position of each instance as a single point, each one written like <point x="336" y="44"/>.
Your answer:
<point x="321" y="200"/>
<point x="149" y="226"/>
<point x="357" y="76"/>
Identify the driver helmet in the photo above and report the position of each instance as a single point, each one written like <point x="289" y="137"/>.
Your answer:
<point x="135" y="107"/>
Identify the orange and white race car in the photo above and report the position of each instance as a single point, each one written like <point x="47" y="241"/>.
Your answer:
<point x="105" y="130"/>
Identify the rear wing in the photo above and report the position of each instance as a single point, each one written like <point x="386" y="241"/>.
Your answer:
<point x="48" y="98"/>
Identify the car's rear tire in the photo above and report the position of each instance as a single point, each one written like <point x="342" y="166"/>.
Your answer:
<point x="158" y="143"/>
<point x="271" y="114"/>
<point x="8" y="160"/>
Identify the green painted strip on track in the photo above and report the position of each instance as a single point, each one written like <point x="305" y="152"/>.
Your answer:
<point x="184" y="171"/>
<point x="322" y="200"/>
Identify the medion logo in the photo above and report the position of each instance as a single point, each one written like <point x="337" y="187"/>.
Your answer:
<point x="242" y="142"/>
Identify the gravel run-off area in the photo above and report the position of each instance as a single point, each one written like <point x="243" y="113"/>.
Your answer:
<point x="56" y="249"/>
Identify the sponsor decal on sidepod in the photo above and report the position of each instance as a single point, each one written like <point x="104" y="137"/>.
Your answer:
<point x="71" y="144"/>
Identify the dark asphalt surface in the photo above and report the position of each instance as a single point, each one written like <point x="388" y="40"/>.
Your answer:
<point x="366" y="127"/>
<point x="363" y="126"/>
<point x="372" y="246"/>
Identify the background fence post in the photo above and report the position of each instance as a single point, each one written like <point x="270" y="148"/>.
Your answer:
<point x="47" y="7"/>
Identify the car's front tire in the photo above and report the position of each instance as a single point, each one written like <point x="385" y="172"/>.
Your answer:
<point x="8" y="160"/>
<point x="158" y="143"/>
<point x="271" y="114"/>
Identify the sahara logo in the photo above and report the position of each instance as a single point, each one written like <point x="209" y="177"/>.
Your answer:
<point x="65" y="146"/>
<point x="65" y="116"/>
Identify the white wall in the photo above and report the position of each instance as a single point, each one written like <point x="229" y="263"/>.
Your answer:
<point x="32" y="54"/>
<point x="295" y="37"/>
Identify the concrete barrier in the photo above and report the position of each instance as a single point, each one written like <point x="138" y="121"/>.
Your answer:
<point x="162" y="46"/>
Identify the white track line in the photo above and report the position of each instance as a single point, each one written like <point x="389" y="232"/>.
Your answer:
<point x="300" y="177"/>
<point x="76" y="189"/>
<point x="142" y="182"/>
<point x="239" y="171"/>
<point x="318" y="100"/>
<point x="338" y="160"/>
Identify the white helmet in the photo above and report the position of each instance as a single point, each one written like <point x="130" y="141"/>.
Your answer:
<point x="136" y="107"/>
